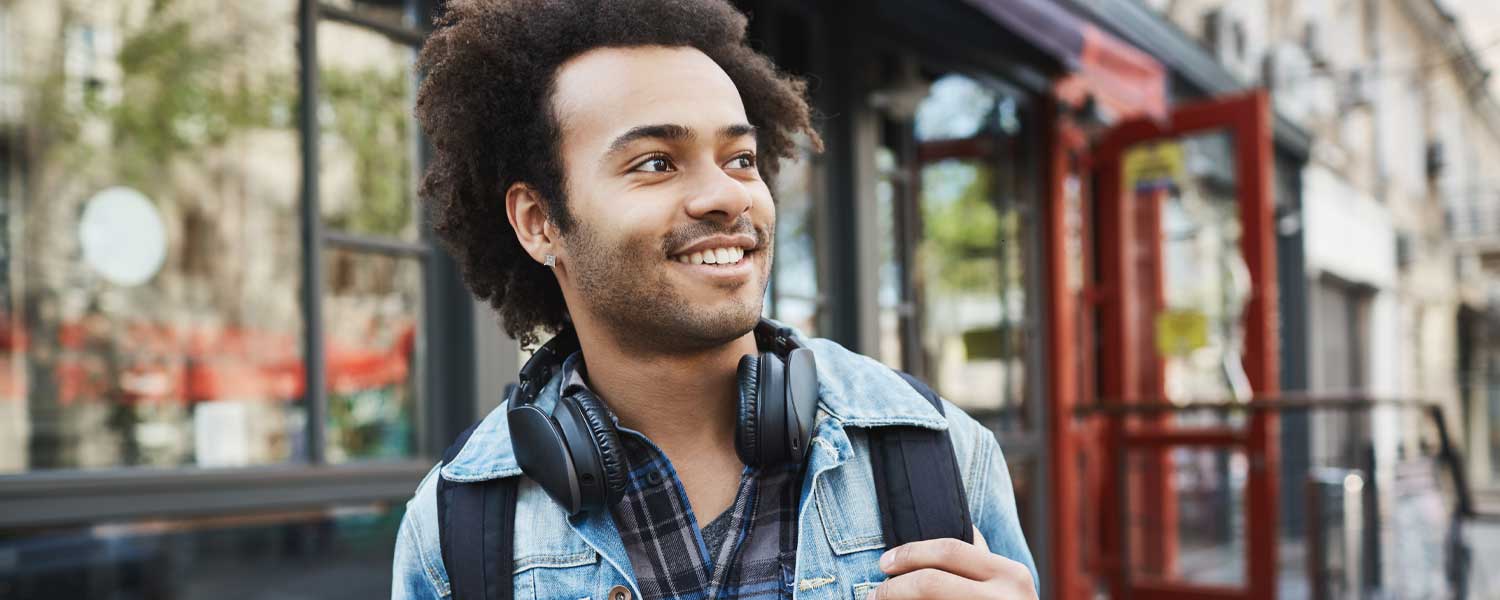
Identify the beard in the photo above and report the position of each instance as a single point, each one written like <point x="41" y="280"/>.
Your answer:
<point x="628" y="288"/>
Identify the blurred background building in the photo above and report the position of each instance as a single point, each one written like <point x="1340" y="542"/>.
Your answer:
<point x="1223" y="277"/>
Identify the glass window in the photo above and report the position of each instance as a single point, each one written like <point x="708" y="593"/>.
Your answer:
<point x="371" y="306"/>
<point x="971" y="266"/>
<point x="1205" y="543"/>
<point x="149" y="250"/>
<point x="891" y="296"/>
<point x="342" y="552"/>
<point x="956" y="108"/>
<point x="1188" y="186"/>
<point x="795" y="297"/>
<point x="368" y="141"/>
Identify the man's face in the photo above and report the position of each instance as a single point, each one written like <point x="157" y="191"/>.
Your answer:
<point x="672" y="225"/>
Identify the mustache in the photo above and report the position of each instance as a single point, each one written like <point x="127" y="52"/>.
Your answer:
<point x="686" y="234"/>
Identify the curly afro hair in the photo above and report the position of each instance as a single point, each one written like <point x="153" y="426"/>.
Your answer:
<point x="485" y="105"/>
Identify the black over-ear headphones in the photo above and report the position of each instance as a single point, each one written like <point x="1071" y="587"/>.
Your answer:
<point x="574" y="452"/>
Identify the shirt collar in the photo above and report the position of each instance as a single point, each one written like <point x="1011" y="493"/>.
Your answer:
<point x="857" y="391"/>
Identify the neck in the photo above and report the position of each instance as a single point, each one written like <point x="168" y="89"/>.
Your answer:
<point x="682" y="402"/>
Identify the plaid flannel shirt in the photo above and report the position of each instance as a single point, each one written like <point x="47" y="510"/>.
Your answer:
<point x="661" y="534"/>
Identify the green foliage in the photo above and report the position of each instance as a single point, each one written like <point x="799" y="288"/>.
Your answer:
<point x="369" y="114"/>
<point x="962" y="229"/>
<point x="179" y="96"/>
<point x="965" y="232"/>
<point x="183" y="91"/>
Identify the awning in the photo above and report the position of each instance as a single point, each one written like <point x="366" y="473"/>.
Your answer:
<point x="1115" y="75"/>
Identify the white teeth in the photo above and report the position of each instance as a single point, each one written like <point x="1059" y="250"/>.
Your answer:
<point x="714" y="256"/>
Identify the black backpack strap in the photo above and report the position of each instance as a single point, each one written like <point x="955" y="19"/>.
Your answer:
<point x="918" y="484"/>
<point x="476" y="527"/>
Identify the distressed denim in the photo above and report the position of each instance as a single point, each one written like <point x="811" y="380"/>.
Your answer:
<point x="839" y="541"/>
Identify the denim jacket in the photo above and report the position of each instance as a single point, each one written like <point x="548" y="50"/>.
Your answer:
<point x="839" y="536"/>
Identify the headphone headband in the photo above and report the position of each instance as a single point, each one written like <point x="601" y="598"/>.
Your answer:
<point x="778" y="338"/>
<point x="543" y="363"/>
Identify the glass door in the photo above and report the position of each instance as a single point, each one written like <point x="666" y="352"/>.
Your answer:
<point x="959" y="265"/>
<point x="1186" y="264"/>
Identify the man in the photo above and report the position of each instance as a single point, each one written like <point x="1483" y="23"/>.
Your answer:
<point x="600" y="167"/>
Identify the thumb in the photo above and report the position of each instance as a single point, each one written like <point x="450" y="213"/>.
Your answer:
<point x="979" y="540"/>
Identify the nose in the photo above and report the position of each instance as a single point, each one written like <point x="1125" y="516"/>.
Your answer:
<point x="719" y="197"/>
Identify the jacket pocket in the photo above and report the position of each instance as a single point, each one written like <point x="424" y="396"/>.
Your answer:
<point x="562" y="578"/>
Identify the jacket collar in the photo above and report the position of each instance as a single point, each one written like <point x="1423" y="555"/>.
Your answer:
<point x="855" y="391"/>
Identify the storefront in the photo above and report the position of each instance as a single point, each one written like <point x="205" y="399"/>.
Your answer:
<point x="1065" y="216"/>
<point x="262" y="386"/>
<point x="225" y="327"/>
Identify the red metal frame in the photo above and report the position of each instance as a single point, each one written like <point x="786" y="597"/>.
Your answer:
<point x="1128" y="291"/>
<point x="1067" y="147"/>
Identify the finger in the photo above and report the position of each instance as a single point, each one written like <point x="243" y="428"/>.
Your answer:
<point x="948" y="554"/>
<point x="929" y="584"/>
<point x="979" y="540"/>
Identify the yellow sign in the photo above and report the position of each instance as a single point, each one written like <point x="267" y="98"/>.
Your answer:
<point x="1154" y="165"/>
<point x="1179" y="332"/>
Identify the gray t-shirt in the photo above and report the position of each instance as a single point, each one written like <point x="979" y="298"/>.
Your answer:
<point x="715" y="532"/>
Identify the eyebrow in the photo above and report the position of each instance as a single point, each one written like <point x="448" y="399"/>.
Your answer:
<point x="672" y="132"/>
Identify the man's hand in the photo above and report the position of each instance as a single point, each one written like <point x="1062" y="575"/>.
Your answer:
<point x="949" y="568"/>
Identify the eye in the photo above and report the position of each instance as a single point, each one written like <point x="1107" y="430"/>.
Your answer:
<point x="743" y="161"/>
<point x="655" y="164"/>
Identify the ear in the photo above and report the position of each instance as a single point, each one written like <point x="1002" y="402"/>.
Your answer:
<point x="528" y="217"/>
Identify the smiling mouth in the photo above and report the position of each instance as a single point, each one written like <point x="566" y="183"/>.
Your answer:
<point x="712" y="256"/>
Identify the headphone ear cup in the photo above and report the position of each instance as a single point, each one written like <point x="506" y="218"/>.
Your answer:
<point x="543" y="452"/>
<point x="745" y="441"/>
<point x="771" y="427"/>
<point x="605" y="439"/>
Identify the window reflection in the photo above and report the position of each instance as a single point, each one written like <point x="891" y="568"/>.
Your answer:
<point x="970" y="269"/>
<point x="890" y="192"/>
<point x="370" y="309"/>
<point x="974" y="300"/>
<point x="795" y="297"/>
<point x="956" y="107"/>
<point x="368" y="141"/>
<point x="148" y="296"/>
<point x="1205" y="281"/>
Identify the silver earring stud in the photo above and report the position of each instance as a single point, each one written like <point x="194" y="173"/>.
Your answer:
<point x="550" y="260"/>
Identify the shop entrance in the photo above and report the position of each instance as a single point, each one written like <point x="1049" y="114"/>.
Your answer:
<point x="1179" y="312"/>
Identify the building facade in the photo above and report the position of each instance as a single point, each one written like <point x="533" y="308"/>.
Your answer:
<point x="1398" y="217"/>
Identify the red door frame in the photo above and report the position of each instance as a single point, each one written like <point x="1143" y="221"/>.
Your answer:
<point x="1127" y="376"/>
<point x="1066" y="159"/>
